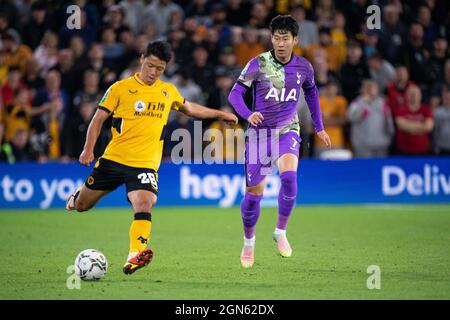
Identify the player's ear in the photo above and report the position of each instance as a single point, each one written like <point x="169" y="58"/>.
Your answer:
<point x="296" y="40"/>
<point x="142" y="58"/>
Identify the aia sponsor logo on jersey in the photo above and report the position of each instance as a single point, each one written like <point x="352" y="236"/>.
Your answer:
<point x="277" y="95"/>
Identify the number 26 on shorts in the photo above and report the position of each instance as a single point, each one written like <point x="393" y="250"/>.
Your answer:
<point x="148" y="177"/>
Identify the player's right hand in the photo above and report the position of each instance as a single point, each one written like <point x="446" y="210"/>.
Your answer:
<point x="86" y="157"/>
<point x="255" y="118"/>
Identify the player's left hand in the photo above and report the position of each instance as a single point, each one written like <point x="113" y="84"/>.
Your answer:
<point x="229" y="118"/>
<point x="325" y="138"/>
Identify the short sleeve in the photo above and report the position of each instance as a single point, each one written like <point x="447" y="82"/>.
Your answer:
<point x="110" y="99"/>
<point x="178" y="99"/>
<point x="249" y="73"/>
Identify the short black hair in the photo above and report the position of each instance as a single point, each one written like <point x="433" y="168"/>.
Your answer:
<point x="159" y="49"/>
<point x="284" y="23"/>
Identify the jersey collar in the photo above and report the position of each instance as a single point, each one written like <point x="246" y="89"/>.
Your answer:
<point x="272" y="52"/>
<point x="136" y="77"/>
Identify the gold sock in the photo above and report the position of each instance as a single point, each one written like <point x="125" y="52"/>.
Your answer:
<point x="140" y="232"/>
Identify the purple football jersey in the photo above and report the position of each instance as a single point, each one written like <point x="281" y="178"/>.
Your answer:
<point x="276" y="89"/>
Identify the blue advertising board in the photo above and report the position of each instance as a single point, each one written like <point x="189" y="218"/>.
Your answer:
<point x="387" y="180"/>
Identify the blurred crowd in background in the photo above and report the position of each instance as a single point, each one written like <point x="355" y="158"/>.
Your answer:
<point x="382" y="92"/>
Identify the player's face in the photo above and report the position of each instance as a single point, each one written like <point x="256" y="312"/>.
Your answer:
<point x="151" y="68"/>
<point x="283" y="44"/>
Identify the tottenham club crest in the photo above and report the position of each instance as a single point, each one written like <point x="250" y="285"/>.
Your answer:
<point x="139" y="106"/>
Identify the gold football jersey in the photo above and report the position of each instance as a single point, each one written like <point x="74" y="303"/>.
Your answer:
<point x="140" y="114"/>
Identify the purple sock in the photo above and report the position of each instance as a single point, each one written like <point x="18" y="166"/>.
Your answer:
<point x="250" y="213"/>
<point x="286" y="197"/>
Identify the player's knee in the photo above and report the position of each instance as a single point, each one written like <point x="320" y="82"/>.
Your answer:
<point x="250" y="202"/>
<point x="255" y="191"/>
<point x="143" y="205"/>
<point x="289" y="183"/>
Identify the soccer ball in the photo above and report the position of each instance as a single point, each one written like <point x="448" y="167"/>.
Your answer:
<point x="91" y="264"/>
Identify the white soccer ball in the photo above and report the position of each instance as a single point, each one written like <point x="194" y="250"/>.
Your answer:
<point x="91" y="264"/>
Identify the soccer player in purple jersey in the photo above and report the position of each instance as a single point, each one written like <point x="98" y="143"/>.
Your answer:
<point x="275" y="78"/>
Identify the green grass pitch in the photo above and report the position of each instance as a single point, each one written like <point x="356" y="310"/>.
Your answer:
<point x="197" y="254"/>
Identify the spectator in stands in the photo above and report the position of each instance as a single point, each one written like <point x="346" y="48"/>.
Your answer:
<point x="17" y="150"/>
<point x="198" y="8"/>
<point x="248" y="47"/>
<point x="34" y="30"/>
<point x="370" y="42"/>
<point x="439" y="54"/>
<point x="96" y="62"/>
<point x="87" y="32"/>
<point x="308" y="31"/>
<point x="3" y="69"/>
<point x="392" y="34"/>
<point x="396" y="90"/>
<point x="187" y="87"/>
<point x="228" y="141"/>
<point x="441" y="132"/>
<point x="322" y="74"/>
<point x="114" y="20"/>
<point x="201" y="71"/>
<point x="75" y="129"/>
<point x="16" y="53"/>
<point x="353" y="71"/>
<point x="13" y="82"/>
<point x="333" y="56"/>
<point x="218" y="98"/>
<point x="324" y="13"/>
<point x="414" y="124"/>
<point x="415" y="56"/>
<point x="17" y="113"/>
<point x="133" y="10"/>
<point x="259" y="16"/>
<point x="227" y="59"/>
<point x="371" y="122"/>
<point x="238" y="12"/>
<point x="46" y="54"/>
<point x="71" y="74"/>
<point x="113" y="51"/>
<point x="32" y="78"/>
<point x="175" y="22"/>
<point x="78" y="48"/>
<point x="437" y="86"/>
<point x="334" y="115"/>
<point x="212" y="45"/>
<point x="356" y="14"/>
<point x="380" y="70"/>
<point x="47" y="125"/>
<point x="220" y="23"/>
<point x="90" y="92"/>
<point x="430" y="29"/>
<point x="180" y="121"/>
<point x="339" y="34"/>
<point x="159" y="12"/>
<point x="11" y="13"/>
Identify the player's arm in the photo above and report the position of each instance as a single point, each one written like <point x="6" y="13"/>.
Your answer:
<point x="236" y="99"/>
<point x="237" y="93"/>
<point x="87" y="156"/>
<point x="312" y="100"/>
<point x="414" y="126"/>
<point x="198" y="111"/>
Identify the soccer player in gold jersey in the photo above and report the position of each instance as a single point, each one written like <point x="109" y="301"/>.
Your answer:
<point x="140" y="107"/>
